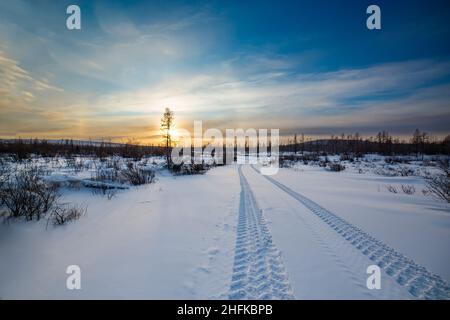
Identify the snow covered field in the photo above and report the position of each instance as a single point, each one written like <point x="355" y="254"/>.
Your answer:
<point x="304" y="233"/>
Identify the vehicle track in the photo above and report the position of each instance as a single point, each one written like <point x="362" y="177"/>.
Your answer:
<point x="420" y="282"/>
<point x="258" y="271"/>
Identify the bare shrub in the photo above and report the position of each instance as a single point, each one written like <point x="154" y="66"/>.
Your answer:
<point x="74" y="184"/>
<point x="4" y="176"/>
<point x="347" y="157"/>
<point x="392" y="189"/>
<point x="336" y="167"/>
<point x="198" y="168"/>
<point x="289" y="160"/>
<point x="439" y="184"/>
<point x="285" y="163"/>
<point x="324" y="163"/>
<point x="404" y="171"/>
<point x="105" y="191"/>
<point x="62" y="214"/>
<point x="408" y="189"/>
<point x="26" y="194"/>
<point x="106" y="174"/>
<point x="72" y="163"/>
<point x="308" y="158"/>
<point x="115" y="164"/>
<point x="385" y="172"/>
<point x="189" y="169"/>
<point x="137" y="176"/>
<point x="395" y="160"/>
<point x="111" y="193"/>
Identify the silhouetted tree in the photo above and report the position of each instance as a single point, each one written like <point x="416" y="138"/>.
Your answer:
<point x="166" y="127"/>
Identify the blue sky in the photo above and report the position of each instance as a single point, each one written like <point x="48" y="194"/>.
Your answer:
<point x="301" y="66"/>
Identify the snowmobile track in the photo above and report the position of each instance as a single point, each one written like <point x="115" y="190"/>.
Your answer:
<point x="258" y="271"/>
<point x="420" y="282"/>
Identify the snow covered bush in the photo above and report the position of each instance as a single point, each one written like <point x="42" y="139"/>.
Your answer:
<point x="75" y="164"/>
<point x="397" y="170"/>
<point x="347" y="157"/>
<point x="286" y="163"/>
<point x="396" y="160"/>
<point x="404" y="171"/>
<point x="324" y="163"/>
<point x="106" y="174"/>
<point x="310" y="158"/>
<point x="189" y="169"/>
<point x="336" y="167"/>
<point x="439" y="184"/>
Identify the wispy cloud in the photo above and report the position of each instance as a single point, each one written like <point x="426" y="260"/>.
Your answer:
<point x="276" y="93"/>
<point x="18" y="86"/>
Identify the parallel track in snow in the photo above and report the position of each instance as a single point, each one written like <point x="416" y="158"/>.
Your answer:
<point x="420" y="282"/>
<point x="258" y="271"/>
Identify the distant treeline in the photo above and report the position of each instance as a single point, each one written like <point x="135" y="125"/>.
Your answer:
<point x="382" y="143"/>
<point x="23" y="148"/>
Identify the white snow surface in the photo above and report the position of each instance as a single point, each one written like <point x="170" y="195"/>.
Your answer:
<point x="305" y="233"/>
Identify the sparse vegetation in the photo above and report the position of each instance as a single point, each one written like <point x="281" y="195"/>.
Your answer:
<point x="392" y="189"/>
<point x="439" y="184"/>
<point x="405" y="171"/>
<point x="336" y="167"/>
<point x="405" y="188"/>
<point x="408" y="189"/>
<point x="104" y="190"/>
<point x="27" y="195"/>
<point x="189" y="168"/>
<point x="62" y="214"/>
<point x="137" y="176"/>
<point x="288" y="160"/>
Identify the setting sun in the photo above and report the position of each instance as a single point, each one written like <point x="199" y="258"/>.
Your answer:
<point x="174" y="134"/>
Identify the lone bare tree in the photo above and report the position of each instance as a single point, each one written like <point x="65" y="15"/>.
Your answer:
<point x="166" y="127"/>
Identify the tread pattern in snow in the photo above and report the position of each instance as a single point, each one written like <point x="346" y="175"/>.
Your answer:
<point x="258" y="271"/>
<point x="420" y="282"/>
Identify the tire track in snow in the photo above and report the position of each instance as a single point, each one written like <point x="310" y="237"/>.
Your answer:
<point x="258" y="271"/>
<point x="420" y="282"/>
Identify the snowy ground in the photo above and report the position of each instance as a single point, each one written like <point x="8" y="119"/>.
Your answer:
<point x="304" y="233"/>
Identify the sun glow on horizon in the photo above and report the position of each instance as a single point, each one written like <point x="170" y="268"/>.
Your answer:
<point x="174" y="134"/>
